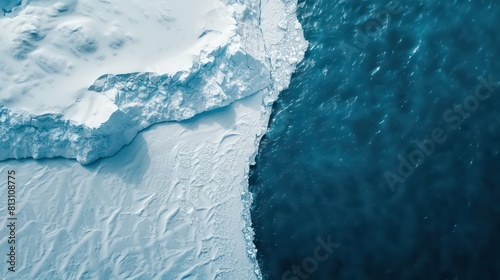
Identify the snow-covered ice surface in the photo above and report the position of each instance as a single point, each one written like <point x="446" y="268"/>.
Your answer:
<point x="164" y="207"/>
<point x="53" y="50"/>
<point x="143" y="62"/>
<point x="174" y="203"/>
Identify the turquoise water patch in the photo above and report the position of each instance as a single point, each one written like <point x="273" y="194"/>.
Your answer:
<point x="7" y="5"/>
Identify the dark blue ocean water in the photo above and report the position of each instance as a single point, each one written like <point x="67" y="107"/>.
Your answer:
<point x="409" y="87"/>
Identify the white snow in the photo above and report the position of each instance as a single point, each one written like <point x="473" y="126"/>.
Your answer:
<point x="93" y="110"/>
<point x="168" y="206"/>
<point x="39" y="122"/>
<point x="53" y="50"/>
<point x="174" y="204"/>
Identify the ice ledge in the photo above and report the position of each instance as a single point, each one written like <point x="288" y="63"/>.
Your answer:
<point x="117" y="107"/>
<point x="142" y="99"/>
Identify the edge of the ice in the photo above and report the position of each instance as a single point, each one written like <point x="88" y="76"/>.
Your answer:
<point x="285" y="46"/>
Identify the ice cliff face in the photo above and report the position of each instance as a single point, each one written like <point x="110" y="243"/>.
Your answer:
<point x="141" y="99"/>
<point x="233" y="70"/>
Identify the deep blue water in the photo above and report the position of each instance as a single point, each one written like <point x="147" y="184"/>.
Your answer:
<point x="361" y="106"/>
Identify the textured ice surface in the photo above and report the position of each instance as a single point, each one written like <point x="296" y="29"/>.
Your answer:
<point x="81" y="78"/>
<point x="174" y="204"/>
<point x="168" y="206"/>
<point x="138" y="100"/>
